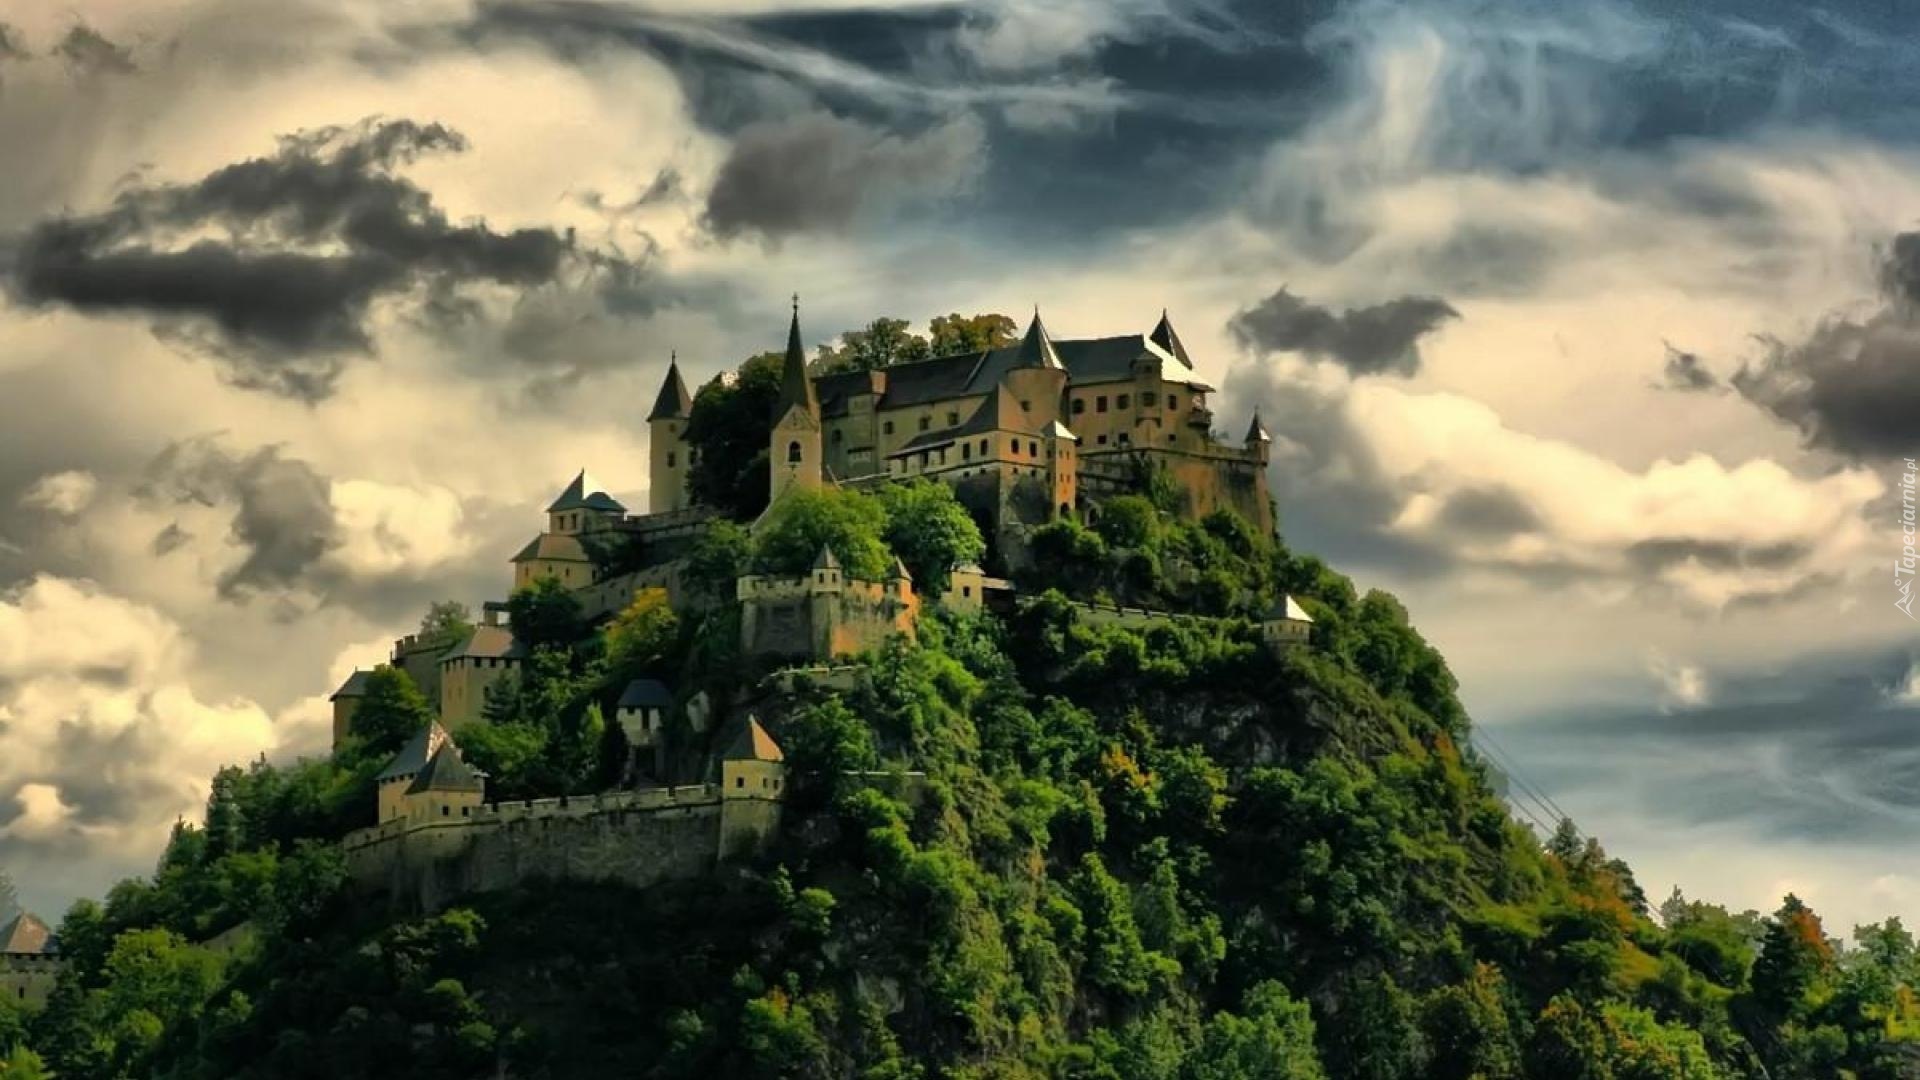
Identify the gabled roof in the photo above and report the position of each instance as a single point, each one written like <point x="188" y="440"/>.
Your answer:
<point x="1288" y="608"/>
<point x="25" y="933"/>
<point x="585" y="494"/>
<point x="560" y="547"/>
<point x="1256" y="431"/>
<point x="419" y="750"/>
<point x="826" y="560"/>
<point x="1058" y="430"/>
<point x="753" y="744"/>
<point x="898" y="571"/>
<point x="446" y="771"/>
<point x="1169" y="341"/>
<point x="673" y="402"/>
<point x="354" y="687"/>
<point x="491" y="642"/>
<point x="645" y="694"/>
<point x="1036" y="349"/>
<point x="796" y="388"/>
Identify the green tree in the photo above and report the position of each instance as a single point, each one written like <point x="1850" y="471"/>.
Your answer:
<point x="21" y="1063"/>
<point x="958" y="333"/>
<point x="640" y="638"/>
<point x="848" y="522"/>
<point x="545" y="613"/>
<point x="930" y="531"/>
<point x="883" y="343"/>
<point x="718" y="558"/>
<point x="729" y="430"/>
<point x="1273" y="1041"/>
<point x="446" y="620"/>
<point x="1468" y="1030"/>
<point x="390" y="713"/>
<point x="9" y="899"/>
<point x="1793" y="961"/>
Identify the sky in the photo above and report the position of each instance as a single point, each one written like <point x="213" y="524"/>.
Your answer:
<point x="1588" y="330"/>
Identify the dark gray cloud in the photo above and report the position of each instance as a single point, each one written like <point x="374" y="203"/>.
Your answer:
<point x="1853" y="384"/>
<point x="1686" y="371"/>
<point x="314" y="235"/>
<point x="821" y="173"/>
<point x="283" y="509"/>
<point x="170" y="539"/>
<point x="1820" y="750"/>
<point x="1382" y="339"/>
<point x="88" y="52"/>
<point x="1489" y="512"/>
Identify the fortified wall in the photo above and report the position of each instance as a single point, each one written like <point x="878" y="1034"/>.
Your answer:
<point x="823" y="614"/>
<point x="636" y="838"/>
<point x="27" y="978"/>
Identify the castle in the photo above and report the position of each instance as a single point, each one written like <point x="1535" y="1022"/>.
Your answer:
<point x="29" y="960"/>
<point x="1025" y="434"/>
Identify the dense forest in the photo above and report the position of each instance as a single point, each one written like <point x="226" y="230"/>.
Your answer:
<point x="1162" y="853"/>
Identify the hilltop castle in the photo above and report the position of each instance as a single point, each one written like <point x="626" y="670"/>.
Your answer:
<point x="1025" y="434"/>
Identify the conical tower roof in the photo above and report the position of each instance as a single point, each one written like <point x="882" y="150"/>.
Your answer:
<point x="795" y="387"/>
<point x="674" y="403"/>
<point x="1036" y="349"/>
<point x="1169" y="341"/>
<point x="25" y="933"/>
<point x="447" y="771"/>
<point x="1256" y="431"/>
<point x="826" y="560"/>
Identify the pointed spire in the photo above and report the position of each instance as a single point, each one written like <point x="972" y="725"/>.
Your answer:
<point x="753" y="744"/>
<point x="585" y="493"/>
<point x="825" y="560"/>
<point x="795" y="387"/>
<point x="1036" y="349"/>
<point x="1256" y="431"/>
<point x="1169" y="341"/>
<point x="898" y="572"/>
<point x="673" y="403"/>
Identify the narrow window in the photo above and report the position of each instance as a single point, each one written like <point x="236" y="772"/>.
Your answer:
<point x="887" y="427"/>
<point x="1100" y="403"/>
<point x="953" y="418"/>
<point x="1026" y="406"/>
<point x="1102" y="440"/>
<point x="926" y="422"/>
<point x="839" y="436"/>
<point x="966" y="451"/>
<point x="1033" y="448"/>
<point x="1121" y="401"/>
<point x="670" y="461"/>
<point x="739" y="781"/>
<point x="1147" y="398"/>
<point x="1079" y="405"/>
<point x="446" y="811"/>
<point x="793" y="452"/>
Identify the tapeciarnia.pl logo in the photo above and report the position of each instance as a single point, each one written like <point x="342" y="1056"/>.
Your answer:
<point x="1903" y="567"/>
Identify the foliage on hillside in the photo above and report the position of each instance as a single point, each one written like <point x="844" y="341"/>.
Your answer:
<point x="1158" y="853"/>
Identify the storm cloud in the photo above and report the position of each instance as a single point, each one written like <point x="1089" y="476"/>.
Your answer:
<point x="314" y="235"/>
<point x="1381" y="339"/>
<point x="88" y="52"/>
<point x="283" y="516"/>
<point x="1686" y="371"/>
<point x="822" y="173"/>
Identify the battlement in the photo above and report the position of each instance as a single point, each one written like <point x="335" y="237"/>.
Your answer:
<point x="822" y="614"/>
<point x="493" y="814"/>
<point x="754" y="587"/>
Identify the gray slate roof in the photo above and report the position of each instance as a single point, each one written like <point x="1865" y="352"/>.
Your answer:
<point x="584" y="494"/>
<point x="646" y="694"/>
<point x="753" y="744"/>
<point x="490" y="642"/>
<point x="1288" y="608"/>
<point x="419" y="750"/>
<point x="674" y="402"/>
<point x="446" y="771"/>
<point x="354" y="687"/>
<point x="560" y="547"/>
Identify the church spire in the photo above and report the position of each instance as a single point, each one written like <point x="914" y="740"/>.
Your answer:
<point x="673" y="402"/>
<point x="795" y="387"/>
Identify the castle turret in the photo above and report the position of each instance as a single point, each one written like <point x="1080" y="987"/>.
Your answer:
<point x="346" y="701"/>
<point x="1037" y="379"/>
<point x="1063" y="468"/>
<point x="752" y="785"/>
<point x="405" y="767"/>
<point x="668" y="455"/>
<point x="1259" y="443"/>
<point x="794" y="454"/>
<point x="1285" y="625"/>
<point x="29" y="961"/>
<point x="899" y="583"/>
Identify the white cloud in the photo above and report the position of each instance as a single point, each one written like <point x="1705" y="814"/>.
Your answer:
<point x="388" y="529"/>
<point x="1682" y="685"/>
<point x="65" y="493"/>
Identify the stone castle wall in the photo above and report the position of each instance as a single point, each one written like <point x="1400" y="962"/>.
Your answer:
<point x="805" y="619"/>
<point x="636" y="838"/>
<point x="1211" y="479"/>
<point x="27" y="978"/>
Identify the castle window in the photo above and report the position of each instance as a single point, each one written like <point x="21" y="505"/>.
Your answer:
<point x="966" y="451"/>
<point x="1079" y="405"/>
<point x="670" y="461"/>
<point x="1026" y="406"/>
<point x="1121" y="401"/>
<point x="793" y="452"/>
<point x="1102" y="440"/>
<point x="1100" y="403"/>
<point x="1123" y="439"/>
<point x="1172" y="402"/>
<point x="1033" y="448"/>
<point x="1170" y="436"/>
<point x="446" y="811"/>
<point x="466" y="811"/>
<point x="887" y="427"/>
<point x="1146" y="398"/>
<point x="739" y="781"/>
<point x="926" y="422"/>
<point x="983" y="448"/>
<point x="839" y="436"/>
<point x="966" y="590"/>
